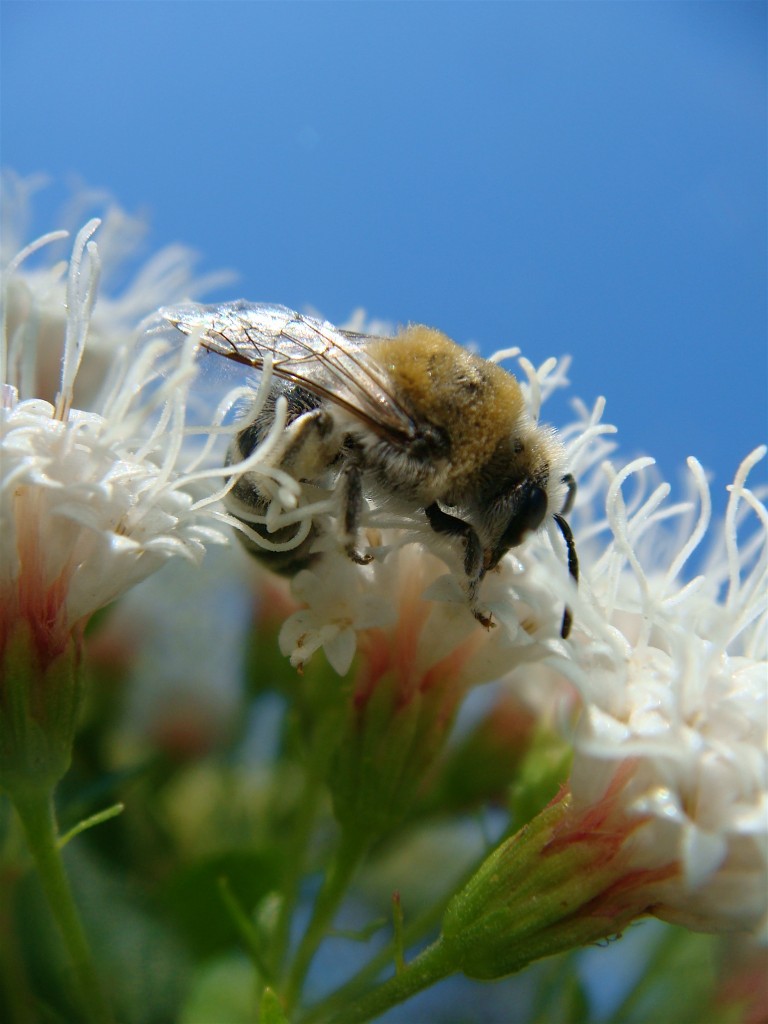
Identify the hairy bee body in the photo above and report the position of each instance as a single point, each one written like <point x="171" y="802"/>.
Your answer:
<point x="247" y="496"/>
<point x="415" y="419"/>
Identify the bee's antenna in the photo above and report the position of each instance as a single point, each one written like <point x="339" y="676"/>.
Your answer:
<point x="573" y="559"/>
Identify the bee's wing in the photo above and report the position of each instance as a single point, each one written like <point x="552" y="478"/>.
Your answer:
<point x="318" y="356"/>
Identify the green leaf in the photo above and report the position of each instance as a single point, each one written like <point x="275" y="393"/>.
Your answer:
<point x="271" y="1010"/>
<point x="251" y="936"/>
<point x="360" y="934"/>
<point x="194" y="900"/>
<point x="575" y="1003"/>
<point x="94" y="819"/>
<point x="544" y="769"/>
<point x="222" y="992"/>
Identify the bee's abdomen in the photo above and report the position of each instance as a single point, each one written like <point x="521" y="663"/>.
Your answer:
<point x="299" y="402"/>
<point x="283" y="563"/>
<point x="246" y="499"/>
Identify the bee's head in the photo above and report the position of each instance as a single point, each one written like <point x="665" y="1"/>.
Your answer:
<point x="522" y="509"/>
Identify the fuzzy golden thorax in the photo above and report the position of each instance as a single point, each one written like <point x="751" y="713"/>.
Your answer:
<point x="477" y="403"/>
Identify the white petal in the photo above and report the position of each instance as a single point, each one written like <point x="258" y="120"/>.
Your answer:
<point x="341" y="650"/>
<point x="703" y="853"/>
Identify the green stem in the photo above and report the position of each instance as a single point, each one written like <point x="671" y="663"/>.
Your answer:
<point x="14" y="986"/>
<point x="412" y="933"/>
<point x="427" y="969"/>
<point x="348" y="856"/>
<point x="295" y="859"/>
<point x="35" y="809"/>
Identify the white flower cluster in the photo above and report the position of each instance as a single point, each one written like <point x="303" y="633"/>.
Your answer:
<point x="671" y="672"/>
<point x="91" y="500"/>
<point x="35" y="295"/>
<point x="674" y="680"/>
<point x="418" y="613"/>
<point x="98" y="489"/>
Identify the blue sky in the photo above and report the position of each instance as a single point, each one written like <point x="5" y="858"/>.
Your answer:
<point x="569" y="177"/>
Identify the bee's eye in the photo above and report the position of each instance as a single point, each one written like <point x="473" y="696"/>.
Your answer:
<point x="533" y="508"/>
<point x="529" y="511"/>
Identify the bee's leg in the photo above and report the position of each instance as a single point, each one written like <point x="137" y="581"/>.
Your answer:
<point x="304" y="441"/>
<point x="351" y="494"/>
<point x="443" y="522"/>
<point x="305" y="444"/>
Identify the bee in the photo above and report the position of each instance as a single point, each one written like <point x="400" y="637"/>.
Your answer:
<point x="415" y="418"/>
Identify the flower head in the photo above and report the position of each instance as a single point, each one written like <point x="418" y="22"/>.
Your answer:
<point x="666" y="810"/>
<point x="418" y="658"/>
<point x="35" y="293"/>
<point x="673" y="681"/>
<point x="92" y="502"/>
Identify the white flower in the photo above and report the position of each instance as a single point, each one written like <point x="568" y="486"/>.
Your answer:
<point x="674" y="679"/>
<point x="93" y="501"/>
<point x="387" y="610"/>
<point x="338" y="604"/>
<point x="35" y="299"/>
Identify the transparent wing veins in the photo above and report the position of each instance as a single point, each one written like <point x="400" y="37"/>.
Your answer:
<point x="325" y="360"/>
